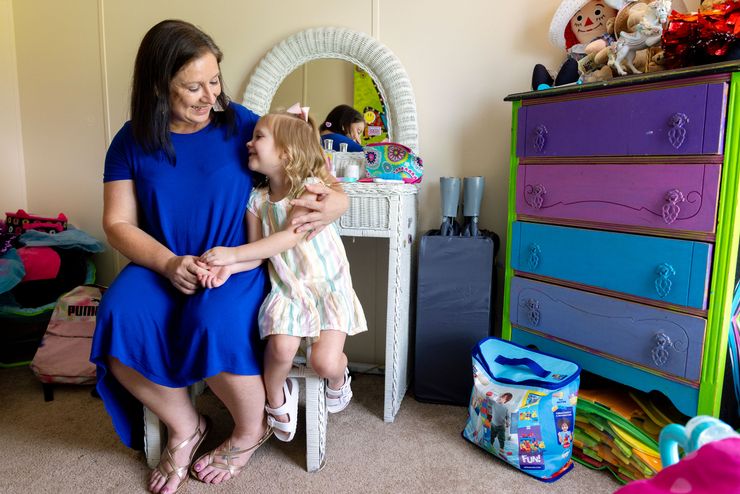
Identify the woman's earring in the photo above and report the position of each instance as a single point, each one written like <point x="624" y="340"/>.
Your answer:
<point x="217" y="106"/>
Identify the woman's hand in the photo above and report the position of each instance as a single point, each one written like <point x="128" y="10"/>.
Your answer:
<point x="326" y="208"/>
<point x="183" y="271"/>
<point x="219" y="256"/>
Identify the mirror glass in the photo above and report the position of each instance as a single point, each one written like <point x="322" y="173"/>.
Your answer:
<point x="325" y="83"/>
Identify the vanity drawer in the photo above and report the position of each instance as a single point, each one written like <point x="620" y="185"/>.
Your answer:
<point x="657" y="339"/>
<point x="666" y="270"/>
<point x="671" y="197"/>
<point x="667" y="121"/>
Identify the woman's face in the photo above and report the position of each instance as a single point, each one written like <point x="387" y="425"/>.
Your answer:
<point x="193" y="92"/>
<point x="355" y="131"/>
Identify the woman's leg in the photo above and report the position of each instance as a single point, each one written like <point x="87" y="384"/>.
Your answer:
<point x="328" y="359"/>
<point x="174" y="409"/>
<point x="244" y="397"/>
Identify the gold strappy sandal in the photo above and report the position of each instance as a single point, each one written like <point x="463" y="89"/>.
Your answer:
<point x="226" y="455"/>
<point x="168" y="458"/>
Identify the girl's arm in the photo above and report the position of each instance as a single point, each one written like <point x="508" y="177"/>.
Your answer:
<point x="217" y="275"/>
<point x="262" y="248"/>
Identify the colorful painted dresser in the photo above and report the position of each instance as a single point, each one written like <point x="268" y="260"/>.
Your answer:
<point x="623" y="228"/>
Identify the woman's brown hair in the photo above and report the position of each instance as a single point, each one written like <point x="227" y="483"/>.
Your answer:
<point x="165" y="49"/>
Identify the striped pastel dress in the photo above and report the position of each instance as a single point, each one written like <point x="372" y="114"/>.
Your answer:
<point x="311" y="284"/>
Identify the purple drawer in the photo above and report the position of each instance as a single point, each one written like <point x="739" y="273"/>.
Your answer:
<point x="662" y="340"/>
<point x="666" y="121"/>
<point x="671" y="197"/>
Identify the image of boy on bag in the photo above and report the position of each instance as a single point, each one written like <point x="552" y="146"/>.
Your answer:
<point x="500" y="420"/>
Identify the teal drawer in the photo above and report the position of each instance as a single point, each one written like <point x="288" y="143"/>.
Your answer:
<point x="665" y="270"/>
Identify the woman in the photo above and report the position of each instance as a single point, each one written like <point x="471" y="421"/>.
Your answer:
<point x="177" y="184"/>
<point x="343" y="124"/>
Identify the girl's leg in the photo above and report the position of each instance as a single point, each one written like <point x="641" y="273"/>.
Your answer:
<point x="244" y="397"/>
<point x="174" y="409"/>
<point x="328" y="359"/>
<point x="279" y="355"/>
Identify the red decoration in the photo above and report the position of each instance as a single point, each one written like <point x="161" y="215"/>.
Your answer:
<point x="701" y="37"/>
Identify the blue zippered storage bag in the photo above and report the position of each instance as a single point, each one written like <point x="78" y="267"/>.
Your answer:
<point x="523" y="407"/>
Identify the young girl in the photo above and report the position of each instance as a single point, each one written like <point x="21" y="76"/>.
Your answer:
<point x="345" y="125"/>
<point x="312" y="295"/>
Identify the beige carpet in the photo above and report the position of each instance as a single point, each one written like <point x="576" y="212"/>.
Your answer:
<point x="68" y="446"/>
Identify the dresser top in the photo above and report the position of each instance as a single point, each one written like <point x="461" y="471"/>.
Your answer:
<point x="630" y="80"/>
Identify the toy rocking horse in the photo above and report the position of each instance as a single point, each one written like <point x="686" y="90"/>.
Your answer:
<point x="646" y="28"/>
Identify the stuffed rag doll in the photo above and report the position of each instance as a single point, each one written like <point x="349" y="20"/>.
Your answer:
<point x="579" y="27"/>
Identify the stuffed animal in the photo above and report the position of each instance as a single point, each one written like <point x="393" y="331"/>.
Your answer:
<point x="599" y="65"/>
<point x="578" y="27"/>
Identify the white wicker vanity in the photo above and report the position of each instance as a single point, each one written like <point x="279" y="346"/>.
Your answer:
<point x="389" y="211"/>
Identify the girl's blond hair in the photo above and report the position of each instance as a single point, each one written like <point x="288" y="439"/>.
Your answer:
<point x="299" y="141"/>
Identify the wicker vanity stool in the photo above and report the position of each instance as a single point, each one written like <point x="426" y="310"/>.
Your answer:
<point x="316" y="419"/>
<point x="376" y="210"/>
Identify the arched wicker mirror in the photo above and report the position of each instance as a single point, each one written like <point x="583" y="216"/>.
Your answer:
<point x="355" y="47"/>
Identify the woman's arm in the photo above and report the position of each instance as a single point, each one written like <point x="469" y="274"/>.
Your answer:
<point x="122" y="230"/>
<point x="321" y="207"/>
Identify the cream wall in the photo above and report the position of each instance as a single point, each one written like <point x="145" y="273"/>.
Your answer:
<point x="75" y="58"/>
<point x="12" y="173"/>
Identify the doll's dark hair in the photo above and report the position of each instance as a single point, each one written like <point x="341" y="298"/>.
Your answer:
<point x="340" y="120"/>
<point x="164" y="50"/>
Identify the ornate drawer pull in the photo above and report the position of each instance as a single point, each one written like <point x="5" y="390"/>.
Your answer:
<point x="671" y="210"/>
<point x="662" y="283"/>
<point x="540" y="138"/>
<point x="534" y="256"/>
<point x="659" y="353"/>
<point x="532" y="308"/>
<point x="536" y="193"/>
<point x="677" y="134"/>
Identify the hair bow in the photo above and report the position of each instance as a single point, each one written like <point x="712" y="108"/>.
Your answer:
<point x="299" y="111"/>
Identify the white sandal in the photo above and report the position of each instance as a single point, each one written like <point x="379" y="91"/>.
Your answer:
<point x="285" y="431"/>
<point x="338" y="399"/>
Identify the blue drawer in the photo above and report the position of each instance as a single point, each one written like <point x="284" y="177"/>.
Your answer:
<point x="684" y="396"/>
<point x="658" y="339"/>
<point x="666" y="270"/>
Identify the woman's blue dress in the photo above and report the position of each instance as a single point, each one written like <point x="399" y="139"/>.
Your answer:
<point x="170" y="338"/>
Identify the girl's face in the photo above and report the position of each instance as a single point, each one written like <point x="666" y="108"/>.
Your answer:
<point x="355" y="131"/>
<point x="264" y="156"/>
<point x="193" y="92"/>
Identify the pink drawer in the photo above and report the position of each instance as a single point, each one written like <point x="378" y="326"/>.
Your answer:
<point x="670" y="197"/>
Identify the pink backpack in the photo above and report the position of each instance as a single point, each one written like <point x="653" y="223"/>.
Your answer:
<point x="63" y="355"/>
